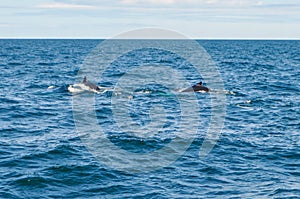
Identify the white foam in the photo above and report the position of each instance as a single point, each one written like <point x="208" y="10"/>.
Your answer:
<point x="75" y="89"/>
<point x="248" y="102"/>
<point x="201" y="91"/>
<point x="227" y="92"/>
<point x="51" y="87"/>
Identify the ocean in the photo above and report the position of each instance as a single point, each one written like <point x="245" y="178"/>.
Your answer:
<point x="42" y="154"/>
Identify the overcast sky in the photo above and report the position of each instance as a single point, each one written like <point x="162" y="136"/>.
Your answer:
<point x="270" y="19"/>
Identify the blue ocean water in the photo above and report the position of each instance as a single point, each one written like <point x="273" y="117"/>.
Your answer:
<point x="257" y="155"/>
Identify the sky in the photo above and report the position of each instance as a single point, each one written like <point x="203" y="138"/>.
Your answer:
<point x="201" y="19"/>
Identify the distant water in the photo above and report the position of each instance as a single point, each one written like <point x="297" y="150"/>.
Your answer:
<point x="257" y="155"/>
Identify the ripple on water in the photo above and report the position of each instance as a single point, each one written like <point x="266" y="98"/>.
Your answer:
<point x="257" y="155"/>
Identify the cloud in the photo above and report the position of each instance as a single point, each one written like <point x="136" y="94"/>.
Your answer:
<point x="148" y="1"/>
<point x="5" y="25"/>
<point x="237" y="3"/>
<point x="65" y="6"/>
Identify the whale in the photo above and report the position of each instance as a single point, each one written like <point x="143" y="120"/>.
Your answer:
<point x="197" y="88"/>
<point x="85" y="85"/>
<point x="90" y="85"/>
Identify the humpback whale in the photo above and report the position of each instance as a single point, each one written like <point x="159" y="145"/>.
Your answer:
<point x="90" y="85"/>
<point x="196" y="87"/>
<point x="85" y="85"/>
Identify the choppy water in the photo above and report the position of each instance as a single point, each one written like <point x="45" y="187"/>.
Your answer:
<point x="257" y="155"/>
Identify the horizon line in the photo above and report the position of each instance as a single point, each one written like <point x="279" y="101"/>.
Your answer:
<point x="94" y="38"/>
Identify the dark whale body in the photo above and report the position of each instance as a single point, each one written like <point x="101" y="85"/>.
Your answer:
<point x="90" y="85"/>
<point x="197" y="87"/>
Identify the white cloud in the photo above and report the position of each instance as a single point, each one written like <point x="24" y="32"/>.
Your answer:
<point x="197" y="18"/>
<point x="65" y="6"/>
<point x="237" y="3"/>
<point x="5" y="25"/>
<point x="148" y="1"/>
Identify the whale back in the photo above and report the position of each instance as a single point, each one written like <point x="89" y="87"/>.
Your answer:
<point x="197" y="87"/>
<point x="90" y="84"/>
